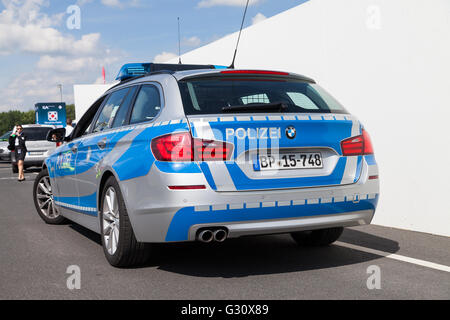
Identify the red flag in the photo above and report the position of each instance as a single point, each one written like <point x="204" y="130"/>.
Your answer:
<point x="104" y="75"/>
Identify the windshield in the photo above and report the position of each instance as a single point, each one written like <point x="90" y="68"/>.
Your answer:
<point x="5" y="137"/>
<point x="216" y="95"/>
<point x="37" y="133"/>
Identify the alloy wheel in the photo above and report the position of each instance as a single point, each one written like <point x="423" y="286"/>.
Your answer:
<point x="45" y="200"/>
<point x="111" y="220"/>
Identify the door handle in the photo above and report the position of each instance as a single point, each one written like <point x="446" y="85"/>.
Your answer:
<point x="102" y="144"/>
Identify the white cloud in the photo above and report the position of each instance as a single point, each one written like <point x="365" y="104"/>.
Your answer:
<point x="258" y="18"/>
<point x="62" y="58"/>
<point x="164" y="57"/>
<point x="24" y="29"/>
<point x="40" y="84"/>
<point x="233" y="3"/>
<point x="63" y="64"/>
<point x="29" y="88"/>
<point x="112" y="3"/>
<point x="191" y="42"/>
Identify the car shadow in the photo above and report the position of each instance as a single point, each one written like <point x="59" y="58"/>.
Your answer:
<point x="94" y="237"/>
<point x="247" y="256"/>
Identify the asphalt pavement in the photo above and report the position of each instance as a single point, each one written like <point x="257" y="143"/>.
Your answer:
<point x="368" y="262"/>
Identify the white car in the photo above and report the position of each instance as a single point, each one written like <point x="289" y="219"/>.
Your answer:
<point x="38" y="148"/>
<point x="5" y="154"/>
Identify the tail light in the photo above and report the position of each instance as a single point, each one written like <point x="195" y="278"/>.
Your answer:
<point x="182" y="147"/>
<point x="358" y="145"/>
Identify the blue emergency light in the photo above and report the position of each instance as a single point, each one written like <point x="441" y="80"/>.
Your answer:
<point x="131" y="70"/>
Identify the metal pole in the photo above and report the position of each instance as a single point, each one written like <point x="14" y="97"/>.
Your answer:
<point x="60" y="91"/>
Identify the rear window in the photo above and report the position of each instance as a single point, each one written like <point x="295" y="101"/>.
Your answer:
<point x="210" y="95"/>
<point x="36" y="134"/>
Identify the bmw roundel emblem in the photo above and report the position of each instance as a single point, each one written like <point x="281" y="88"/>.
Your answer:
<point x="291" y="132"/>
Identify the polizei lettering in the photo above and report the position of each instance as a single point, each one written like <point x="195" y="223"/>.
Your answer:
<point x="253" y="133"/>
<point x="193" y="310"/>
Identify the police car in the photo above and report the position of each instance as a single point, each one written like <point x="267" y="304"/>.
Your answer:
<point x="204" y="153"/>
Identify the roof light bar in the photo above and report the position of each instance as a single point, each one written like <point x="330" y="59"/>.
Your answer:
<point x="131" y="70"/>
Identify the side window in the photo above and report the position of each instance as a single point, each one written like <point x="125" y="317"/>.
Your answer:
<point x="302" y="100"/>
<point x="147" y="105"/>
<point x="257" y="98"/>
<point x="121" y="115"/>
<point x="110" y="108"/>
<point x="83" y="126"/>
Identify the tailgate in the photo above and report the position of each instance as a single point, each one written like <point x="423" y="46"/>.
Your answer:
<point x="305" y="138"/>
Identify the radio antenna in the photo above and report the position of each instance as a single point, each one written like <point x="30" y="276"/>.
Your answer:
<point x="179" y="42"/>
<point x="237" y="44"/>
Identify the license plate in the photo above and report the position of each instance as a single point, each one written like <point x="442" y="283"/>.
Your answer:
<point x="285" y="161"/>
<point x="35" y="153"/>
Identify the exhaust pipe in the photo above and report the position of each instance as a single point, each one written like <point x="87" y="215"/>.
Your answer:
<point x="205" y="236"/>
<point x="220" y="235"/>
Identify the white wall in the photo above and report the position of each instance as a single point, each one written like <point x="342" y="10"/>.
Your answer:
<point x="388" y="62"/>
<point x="86" y="94"/>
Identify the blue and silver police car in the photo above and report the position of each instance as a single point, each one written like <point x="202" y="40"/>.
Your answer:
<point x="202" y="153"/>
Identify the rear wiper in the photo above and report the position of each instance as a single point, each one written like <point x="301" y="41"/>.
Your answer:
<point x="257" y="107"/>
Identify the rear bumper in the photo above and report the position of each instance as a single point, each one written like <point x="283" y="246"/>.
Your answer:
<point x="158" y="214"/>
<point x="238" y="229"/>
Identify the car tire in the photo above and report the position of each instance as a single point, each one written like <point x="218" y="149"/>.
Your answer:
<point x="15" y="168"/>
<point x="122" y="250"/>
<point x="322" y="237"/>
<point x="44" y="201"/>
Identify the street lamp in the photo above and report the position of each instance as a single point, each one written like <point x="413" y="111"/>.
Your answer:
<point x="60" y="90"/>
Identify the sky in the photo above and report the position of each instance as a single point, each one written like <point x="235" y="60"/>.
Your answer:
<point x="44" y="43"/>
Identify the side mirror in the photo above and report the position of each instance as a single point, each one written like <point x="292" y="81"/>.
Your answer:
<point x="56" y="135"/>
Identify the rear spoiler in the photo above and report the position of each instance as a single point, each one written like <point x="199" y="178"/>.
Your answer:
<point x="246" y="74"/>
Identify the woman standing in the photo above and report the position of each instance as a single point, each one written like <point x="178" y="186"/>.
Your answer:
<point x="17" y="139"/>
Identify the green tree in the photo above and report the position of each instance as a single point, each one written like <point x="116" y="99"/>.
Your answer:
<point x="9" y="119"/>
<point x="70" y="111"/>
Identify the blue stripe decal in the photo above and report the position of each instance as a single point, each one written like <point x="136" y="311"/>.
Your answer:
<point x="186" y="217"/>
<point x="242" y="182"/>
<point x="177" y="167"/>
<point x="205" y="168"/>
<point x="370" y="159"/>
<point x="358" y="168"/>
<point x="78" y="203"/>
<point x="138" y="159"/>
<point x="89" y="213"/>
<point x="84" y="164"/>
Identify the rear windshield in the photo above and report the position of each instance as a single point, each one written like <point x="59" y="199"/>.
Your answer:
<point x="211" y="95"/>
<point x="36" y="134"/>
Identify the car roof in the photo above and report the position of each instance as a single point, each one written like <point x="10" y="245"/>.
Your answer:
<point x="189" y="74"/>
